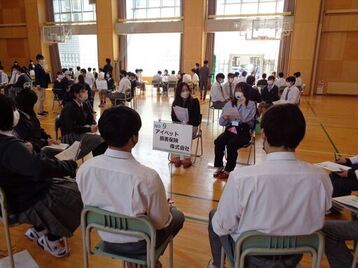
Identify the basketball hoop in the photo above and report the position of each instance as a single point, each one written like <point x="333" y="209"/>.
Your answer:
<point x="54" y="34"/>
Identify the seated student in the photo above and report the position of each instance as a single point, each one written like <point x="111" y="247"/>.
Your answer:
<point x="281" y="82"/>
<point x="218" y="96"/>
<point x="337" y="232"/>
<point x="269" y="93"/>
<point x="102" y="87"/>
<point x="140" y="81"/>
<point x="89" y="78"/>
<point x="110" y="82"/>
<point x="58" y="86"/>
<point x="141" y="189"/>
<point x="124" y="89"/>
<point x="345" y="182"/>
<point x="77" y="119"/>
<point x="36" y="190"/>
<point x="4" y="79"/>
<point x="243" y="77"/>
<point x="29" y="128"/>
<point x="298" y="83"/>
<point x="22" y="79"/>
<point x="254" y="92"/>
<point x="229" y="86"/>
<point x="165" y="81"/>
<point x="262" y="82"/>
<point x="90" y="100"/>
<point x="195" y="79"/>
<point x="157" y="80"/>
<point x="280" y="196"/>
<point x="238" y="118"/>
<point x="291" y="94"/>
<point x="77" y="73"/>
<point x="236" y="77"/>
<point x="133" y="79"/>
<point x="172" y="77"/>
<point x="184" y="99"/>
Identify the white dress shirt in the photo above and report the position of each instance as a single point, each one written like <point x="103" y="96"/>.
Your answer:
<point x="229" y="89"/>
<point x="291" y="95"/>
<point x="195" y="79"/>
<point x="116" y="182"/>
<point x="217" y="92"/>
<point x="124" y="85"/>
<point x="165" y="78"/>
<point x="187" y="78"/>
<point x="4" y="79"/>
<point x="281" y="82"/>
<point x="89" y="79"/>
<point x="14" y="76"/>
<point x="280" y="196"/>
<point x="299" y="82"/>
<point x="242" y="79"/>
<point x="173" y="78"/>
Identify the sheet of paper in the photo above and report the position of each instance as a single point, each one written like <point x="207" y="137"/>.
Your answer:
<point x="232" y="112"/>
<point x="350" y="200"/>
<point x="280" y="102"/>
<point x="22" y="259"/>
<point x="331" y="166"/>
<point x="70" y="153"/>
<point x="181" y="113"/>
<point x="61" y="146"/>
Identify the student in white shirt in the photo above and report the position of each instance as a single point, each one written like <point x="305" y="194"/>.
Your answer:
<point x="195" y="79"/>
<point x="298" y="83"/>
<point x="157" y="80"/>
<point x="291" y="94"/>
<point x="140" y="81"/>
<point x="218" y="96"/>
<point x="165" y="81"/>
<point x="4" y="79"/>
<point x="243" y="77"/>
<point x="77" y="73"/>
<point x="117" y="182"/>
<point x="123" y="90"/>
<point x="172" y="77"/>
<point x="229" y="86"/>
<point x="102" y="87"/>
<point x="280" y="196"/>
<point x="89" y="78"/>
<point x="281" y="81"/>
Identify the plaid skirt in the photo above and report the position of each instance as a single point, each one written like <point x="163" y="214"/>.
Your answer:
<point x="59" y="211"/>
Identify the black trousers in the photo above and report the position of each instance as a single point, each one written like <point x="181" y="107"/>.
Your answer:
<point x="232" y="142"/>
<point x="203" y="88"/>
<point x="343" y="186"/>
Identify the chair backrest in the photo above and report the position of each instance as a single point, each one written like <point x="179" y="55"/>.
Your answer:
<point x="155" y="83"/>
<point x="3" y="205"/>
<point x="255" y="243"/>
<point x="103" y="220"/>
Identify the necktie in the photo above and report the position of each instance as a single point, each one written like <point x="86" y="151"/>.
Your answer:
<point x="286" y="97"/>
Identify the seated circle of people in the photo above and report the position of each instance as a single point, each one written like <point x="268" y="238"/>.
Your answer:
<point x="269" y="93"/>
<point x="280" y="196"/>
<point x="218" y="96"/>
<point x="117" y="171"/>
<point x="238" y="118"/>
<point x="184" y="99"/>
<point x="77" y="121"/>
<point x="36" y="189"/>
<point x="291" y="94"/>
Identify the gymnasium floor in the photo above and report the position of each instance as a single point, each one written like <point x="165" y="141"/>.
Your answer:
<point x="331" y="127"/>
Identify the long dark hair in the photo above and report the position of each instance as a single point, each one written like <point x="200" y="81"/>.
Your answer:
<point x="178" y="100"/>
<point x="245" y="89"/>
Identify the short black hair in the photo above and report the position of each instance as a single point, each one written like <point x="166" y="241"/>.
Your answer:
<point x="39" y="57"/>
<point x="108" y="60"/>
<point x="78" y="68"/>
<point x="297" y="74"/>
<point x="271" y="77"/>
<point x="280" y="74"/>
<point x="264" y="75"/>
<point x="236" y="74"/>
<point x="244" y="73"/>
<point x="197" y="64"/>
<point x="89" y="69"/>
<point x="193" y="70"/>
<point x="76" y="88"/>
<point x="206" y="61"/>
<point x="7" y="108"/>
<point x="220" y="75"/>
<point x="83" y="71"/>
<point x="173" y="72"/>
<point x="284" y="125"/>
<point x="123" y="72"/>
<point x="26" y="101"/>
<point x="291" y="79"/>
<point x="159" y="72"/>
<point x="81" y="79"/>
<point x="250" y="80"/>
<point x="230" y="75"/>
<point x="118" y="124"/>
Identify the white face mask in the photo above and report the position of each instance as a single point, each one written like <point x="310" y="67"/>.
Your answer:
<point x="185" y="94"/>
<point x="16" y="118"/>
<point x="238" y="95"/>
<point x="270" y="82"/>
<point x="288" y="84"/>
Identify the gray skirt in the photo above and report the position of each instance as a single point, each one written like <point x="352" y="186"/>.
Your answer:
<point x="59" y="211"/>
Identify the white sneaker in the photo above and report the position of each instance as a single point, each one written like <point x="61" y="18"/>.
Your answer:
<point x="55" y="248"/>
<point x="34" y="235"/>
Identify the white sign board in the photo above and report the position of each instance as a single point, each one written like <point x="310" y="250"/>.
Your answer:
<point x="172" y="137"/>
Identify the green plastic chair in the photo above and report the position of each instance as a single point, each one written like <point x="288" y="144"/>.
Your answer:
<point x="5" y="222"/>
<point x="139" y="227"/>
<point x="253" y="243"/>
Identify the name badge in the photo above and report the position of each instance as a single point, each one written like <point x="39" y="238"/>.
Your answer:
<point x="235" y="123"/>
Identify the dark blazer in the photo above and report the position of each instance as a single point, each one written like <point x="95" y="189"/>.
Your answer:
<point x="23" y="78"/>
<point x="26" y="176"/>
<point x="74" y="119"/>
<point x="193" y="109"/>
<point x="41" y="77"/>
<point x="29" y="129"/>
<point x="255" y="95"/>
<point x="269" y="96"/>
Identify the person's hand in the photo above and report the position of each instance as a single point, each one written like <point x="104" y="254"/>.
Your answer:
<point x="341" y="160"/>
<point x="226" y="117"/>
<point x="29" y="146"/>
<point x="342" y="173"/>
<point x="94" y="128"/>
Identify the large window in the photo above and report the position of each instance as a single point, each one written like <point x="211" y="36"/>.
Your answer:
<point x="153" y="52"/>
<point x="236" y="7"/>
<point x="145" y="9"/>
<point x="80" y="50"/>
<point x="74" y="10"/>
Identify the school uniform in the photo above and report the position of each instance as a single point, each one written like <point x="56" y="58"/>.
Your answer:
<point x="291" y="95"/>
<point x="218" y="96"/>
<point x="269" y="94"/>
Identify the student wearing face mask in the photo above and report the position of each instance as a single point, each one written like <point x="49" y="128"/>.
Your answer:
<point x="184" y="99"/>
<point x="238" y="118"/>
<point x="229" y="86"/>
<point x="218" y="96"/>
<point x="269" y="93"/>
<point x="291" y="94"/>
<point x="77" y="120"/>
<point x="124" y="89"/>
<point x="36" y="190"/>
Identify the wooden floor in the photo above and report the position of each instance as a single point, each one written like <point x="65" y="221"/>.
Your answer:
<point x="331" y="127"/>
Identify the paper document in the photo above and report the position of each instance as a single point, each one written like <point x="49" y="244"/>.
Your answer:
<point x="22" y="259"/>
<point x="181" y="113"/>
<point x="232" y="113"/>
<point x="61" y="146"/>
<point x="331" y="166"/>
<point x="350" y="200"/>
<point x="70" y="153"/>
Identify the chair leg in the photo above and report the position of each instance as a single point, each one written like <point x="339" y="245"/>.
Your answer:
<point x="66" y="246"/>
<point x="222" y="260"/>
<point x="85" y="254"/>
<point x="171" y="249"/>
<point x="8" y="244"/>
